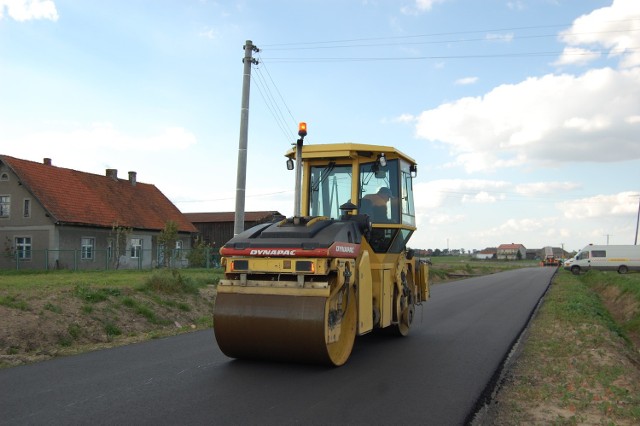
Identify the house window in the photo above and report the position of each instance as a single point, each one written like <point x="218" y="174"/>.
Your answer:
<point x="136" y="248"/>
<point x="87" y="247"/>
<point x="4" y="176"/>
<point x="26" y="208"/>
<point x="23" y="247"/>
<point x="5" y="205"/>
<point x="178" y="244"/>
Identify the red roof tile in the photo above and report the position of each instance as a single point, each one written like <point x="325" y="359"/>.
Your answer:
<point x="81" y="198"/>
<point x="509" y="246"/>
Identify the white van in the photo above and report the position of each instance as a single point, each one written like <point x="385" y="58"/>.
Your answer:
<point x="605" y="258"/>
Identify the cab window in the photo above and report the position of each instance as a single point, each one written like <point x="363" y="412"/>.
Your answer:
<point x="330" y="187"/>
<point x="379" y="192"/>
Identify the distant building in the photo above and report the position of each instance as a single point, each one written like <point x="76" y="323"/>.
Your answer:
<point x="52" y="217"/>
<point x="510" y="252"/>
<point x="216" y="228"/>
<point x="488" y="253"/>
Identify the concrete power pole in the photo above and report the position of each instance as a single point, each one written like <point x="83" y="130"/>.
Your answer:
<point x="635" y="242"/>
<point x="241" y="181"/>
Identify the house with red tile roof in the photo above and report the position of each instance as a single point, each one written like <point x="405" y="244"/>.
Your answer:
<point x="511" y="252"/>
<point x="53" y="217"/>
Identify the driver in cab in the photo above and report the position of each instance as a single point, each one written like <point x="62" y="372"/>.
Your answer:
<point x="375" y="205"/>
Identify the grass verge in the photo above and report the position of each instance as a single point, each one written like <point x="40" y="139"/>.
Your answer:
<point x="57" y="313"/>
<point x="578" y="365"/>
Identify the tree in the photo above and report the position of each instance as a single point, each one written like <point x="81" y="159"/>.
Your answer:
<point x="198" y="255"/>
<point x="167" y="241"/>
<point x="119" y="236"/>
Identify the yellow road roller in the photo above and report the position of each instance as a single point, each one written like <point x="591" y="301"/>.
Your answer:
<point x="302" y="288"/>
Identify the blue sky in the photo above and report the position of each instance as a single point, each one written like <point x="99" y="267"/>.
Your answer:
<point x="523" y="115"/>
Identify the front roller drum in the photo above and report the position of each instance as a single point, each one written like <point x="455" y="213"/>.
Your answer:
<point x="285" y="328"/>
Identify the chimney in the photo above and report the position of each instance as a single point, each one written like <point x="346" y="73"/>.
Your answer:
<point x="46" y="161"/>
<point x="112" y="173"/>
<point x="132" y="178"/>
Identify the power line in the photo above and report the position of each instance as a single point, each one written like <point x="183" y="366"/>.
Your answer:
<point x="466" y="56"/>
<point x="272" y="106"/>
<point x="294" y="121"/>
<point x="447" y="41"/>
<point x="283" y="46"/>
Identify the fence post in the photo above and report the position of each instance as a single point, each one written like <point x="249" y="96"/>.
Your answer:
<point x="46" y="259"/>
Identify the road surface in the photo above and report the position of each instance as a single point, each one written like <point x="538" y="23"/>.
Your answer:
<point x="435" y="376"/>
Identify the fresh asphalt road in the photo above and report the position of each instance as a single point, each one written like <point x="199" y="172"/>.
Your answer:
<point x="434" y="376"/>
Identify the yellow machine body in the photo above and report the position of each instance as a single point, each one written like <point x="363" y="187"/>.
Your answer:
<point x="302" y="288"/>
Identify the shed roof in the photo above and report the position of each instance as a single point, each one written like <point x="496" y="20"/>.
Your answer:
<point x="218" y="217"/>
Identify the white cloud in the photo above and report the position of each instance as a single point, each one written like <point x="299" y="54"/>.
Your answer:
<point x="543" y="188"/>
<point x="106" y="145"/>
<point x="516" y="5"/>
<point x="105" y="135"/>
<point x="26" y="10"/>
<point x="466" y="81"/>
<point x="208" y="32"/>
<point x="444" y="219"/>
<point x="482" y="197"/>
<point x="420" y="6"/>
<point x="546" y="119"/>
<point x="576" y="56"/>
<point x="512" y="230"/>
<point x="615" y="28"/>
<point x="623" y="203"/>
<point x="404" y="118"/>
<point x="505" y="38"/>
<point x="436" y="193"/>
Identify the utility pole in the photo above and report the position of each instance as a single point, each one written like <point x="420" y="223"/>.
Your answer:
<point x="635" y="243"/>
<point x="241" y="181"/>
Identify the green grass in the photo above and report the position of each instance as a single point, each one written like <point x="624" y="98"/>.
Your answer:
<point x="12" y="301"/>
<point x="53" y="308"/>
<point x="44" y="280"/>
<point x="442" y="266"/>
<point x="95" y="295"/>
<point x="572" y="357"/>
<point x="144" y="310"/>
<point x="112" y="330"/>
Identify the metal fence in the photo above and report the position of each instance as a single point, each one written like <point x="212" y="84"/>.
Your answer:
<point x="104" y="259"/>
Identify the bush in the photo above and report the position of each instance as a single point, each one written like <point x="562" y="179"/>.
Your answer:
<point x="95" y="295"/>
<point x="169" y="282"/>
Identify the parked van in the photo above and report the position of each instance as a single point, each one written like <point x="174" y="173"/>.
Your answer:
<point x="605" y="258"/>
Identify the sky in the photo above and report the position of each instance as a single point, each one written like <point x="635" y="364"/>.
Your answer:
<point x="523" y="115"/>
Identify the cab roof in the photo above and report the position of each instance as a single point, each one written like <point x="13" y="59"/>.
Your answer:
<point x="348" y="150"/>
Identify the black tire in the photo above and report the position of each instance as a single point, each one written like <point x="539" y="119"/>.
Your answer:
<point x="623" y="269"/>
<point x="575" y="270"/>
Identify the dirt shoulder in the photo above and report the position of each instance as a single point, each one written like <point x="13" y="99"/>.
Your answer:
<point x="38" y="325"/>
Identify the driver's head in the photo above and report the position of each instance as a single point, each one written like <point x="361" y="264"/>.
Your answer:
<point x="383" y="191"/>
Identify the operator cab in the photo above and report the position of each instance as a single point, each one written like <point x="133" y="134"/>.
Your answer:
<point x="378" y="178"/>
